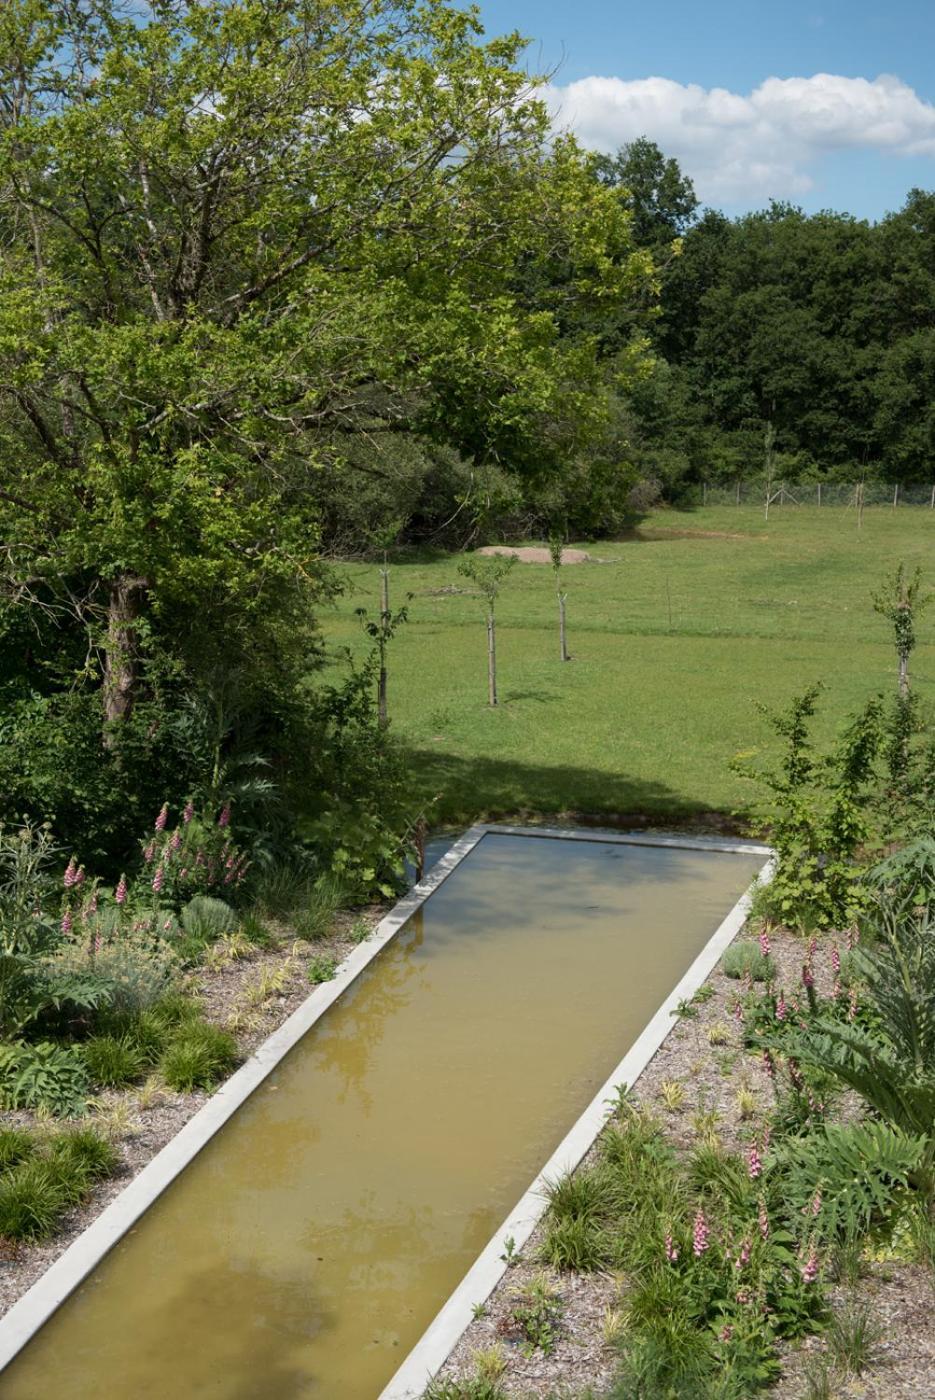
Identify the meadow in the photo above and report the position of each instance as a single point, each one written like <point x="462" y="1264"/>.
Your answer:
<point x="675" y="637"/>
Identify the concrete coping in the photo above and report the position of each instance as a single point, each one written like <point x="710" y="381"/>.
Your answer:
<point x="68" y="1272"/>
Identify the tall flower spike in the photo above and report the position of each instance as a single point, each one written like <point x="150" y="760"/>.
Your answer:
<point x="71" y="874"/>
<point x="158" y="878"/>
<point x="120" y="893"/>
<point x="764" y="941"/>
<point x="79" y="875"/>
<point x="66" y="922"/>
<point x="701" y="1235"/>
<point x="189" y="811"/>
<point x="754" y="1164"/>
<point x="163" y="817"/>
<point x="225" y="817"/>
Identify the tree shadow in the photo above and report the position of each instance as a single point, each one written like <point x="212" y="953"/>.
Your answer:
<point x="463" y="790"/>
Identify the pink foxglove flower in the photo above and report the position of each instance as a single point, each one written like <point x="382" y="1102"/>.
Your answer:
<point x="176" y="840"/>
<point x="701" y="1235"/>
<point x="66" y="922"/>
<point x="852" y="1008"/>
<point x="764" y="942"/>
<point x="754" y="1164"/>
<point x="225" y="817"/>
<point x="810" y="1269"/>
<point x="158" y="878"/>
<point x="808" y="977"/>
<point x="149" y="852"/>
<point x="835" y="960"/>
<point x="71" y="874"/>
<point x="769" y="1065"/>
<point x="816" y="1201"/>
<point x="671" y="1252"/>
<point x="120" y="893"/>
<point x="726" y="1332"/>
<point x="92" y="903"/>
<point x="781" y="1007"/>
<point x="189" y="811"/>
<point x="743" y="1258"/>
<point x="763" y="1219"/>
<point x="163" y="817"/>
<point x="79" y="875"/>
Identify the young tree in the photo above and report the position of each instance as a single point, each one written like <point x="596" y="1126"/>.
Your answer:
<point x="488" y="574"/>
<point x="556" y="550"/>
<point x="901" y="601"/>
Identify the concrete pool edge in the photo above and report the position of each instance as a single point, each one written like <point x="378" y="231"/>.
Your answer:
<point x="30" y="1312"/>
<point x="442" y="1335"/>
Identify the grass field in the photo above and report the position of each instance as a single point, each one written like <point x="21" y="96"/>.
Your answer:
<point x="673" y="639"/>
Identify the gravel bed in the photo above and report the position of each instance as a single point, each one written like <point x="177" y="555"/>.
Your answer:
<point x="141" y="1120"/>
<point x="900" y="1294"/>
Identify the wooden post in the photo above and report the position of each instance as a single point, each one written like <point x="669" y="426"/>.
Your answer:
<point x="382" y="711"/>
<point x="896" y="495"/>
<point x="563" y="646"/>
<point x="932" y="501"/>
<point x="738" y="491"/>
<point x="704" y="493"/>
<point x="819" y="493"/>
<point x="860" y="504"/>
<point x="491" y="660"/>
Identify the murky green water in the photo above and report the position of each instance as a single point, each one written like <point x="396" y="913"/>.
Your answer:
<point x="310" y="1243"/>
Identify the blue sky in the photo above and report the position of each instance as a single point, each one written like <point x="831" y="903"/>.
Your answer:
<point x="854" y="132"/>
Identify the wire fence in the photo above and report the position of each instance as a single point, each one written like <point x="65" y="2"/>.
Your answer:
<point x="770" y="495"/>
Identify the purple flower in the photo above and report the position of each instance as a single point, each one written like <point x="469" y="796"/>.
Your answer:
<point x="163" y="817"/>
<point x="66" y="922"/>
<point x="120" y="893"/>
<point x="71" y="874"/>
<point x="701" y="1235"/>
<point x="79" y="875"/>
<point x="852" y="1008"/>
<point x="158" y="878"/>
<point x="754" y="1164"/>
<point x="743" y="1258"/>
<point x="808" y="979"/>
<point x="149" y="852"/>
<point x="726" y="1333"/>
<point x="768" y="1064"/>
<point x="835" y="960"/>
<point x="764" y="942"/>
<point x="225" y="817"/>
<point x="176" y="840"/>
<point x="671" y="1252"/>
<point x="92" y="905"/>
<point x="781" y="1007"/>
<point x="189" y="811"/>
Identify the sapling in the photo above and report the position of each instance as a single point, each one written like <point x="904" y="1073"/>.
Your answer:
<point x="488" y="575"/>
<point x="555" y="551"/>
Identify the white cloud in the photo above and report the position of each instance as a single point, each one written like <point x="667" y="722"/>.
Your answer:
<point x="758" y="146"/>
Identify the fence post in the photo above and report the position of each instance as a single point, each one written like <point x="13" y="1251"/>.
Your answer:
<point x="932" y="501"/>
<point x="704" y="493"/>
<point x="819" y="493"/>
<point x="738" y="491"/>
<point x="895" y="495"/>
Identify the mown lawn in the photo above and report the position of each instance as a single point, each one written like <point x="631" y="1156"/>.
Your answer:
<point x="674" y="641"/>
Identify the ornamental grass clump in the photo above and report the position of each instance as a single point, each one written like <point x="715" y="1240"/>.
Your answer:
<point x="113" y="1061"/>
<point x="198" y="1057"/>
<point x="42" y="1177"/>
<point x="747" y="959"/>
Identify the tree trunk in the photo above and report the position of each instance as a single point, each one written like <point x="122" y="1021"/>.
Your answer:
<point x="121" y="655"/>
<point x="903" y="672"/>
<point x="383" y="718"/>
<point x="491" y="660"/>
<point x="561" y="628"/>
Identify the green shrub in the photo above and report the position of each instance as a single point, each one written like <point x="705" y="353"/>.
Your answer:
<point x="198" y="1057"/>
<point x="44" y="1075"/>
<point x="136" y="970"/>
<point x="743" y="958"/>
<point x="535" y="1316"/>
<point x="16" y="1145"/>
<point x="321" y="969"/>
<point x="579" y="1244"/>
<point x="175" y="1009"/>
<point x="32" y="1199"/>
<point x="113" y="1062"/>
<point x="205" y="918"/>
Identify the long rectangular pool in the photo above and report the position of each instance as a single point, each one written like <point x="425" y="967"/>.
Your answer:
<point x="311" y="1241"/>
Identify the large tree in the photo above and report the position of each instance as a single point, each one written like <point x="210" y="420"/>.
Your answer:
<point x="233" y="234"/>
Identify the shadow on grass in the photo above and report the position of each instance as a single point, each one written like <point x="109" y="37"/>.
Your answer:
<point x="474" y="789"/>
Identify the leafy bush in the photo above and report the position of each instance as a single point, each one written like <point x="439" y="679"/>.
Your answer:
<point x="205" y="918"/>
<point x="133" y="968"/>
<point x="144" y="1031"/>
<point x="534" y="1317"/>
<point x="198" y="1057"/>
<point x="113" y="1061"/>
<point x="44" y="1076"/>
<point x="321" y="969"/>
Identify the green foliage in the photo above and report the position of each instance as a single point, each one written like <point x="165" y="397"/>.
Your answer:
<point x="743" y="959"/>
<point x="16" y="1145"/>
<point x="198" y="1056"/>
<point x="817" y="816"/>
<point x="535" y="1316"/>
<point x="321" y="969"/>
<point x="44" y="1176"/>
<point x="43" y="1076"/>
<point x="132" y="969"/>
<point x="204" y="919"/>
<point x="113" y="1062"/>
<point x="477" y="1388"/>
<point x="853" y="1336"/>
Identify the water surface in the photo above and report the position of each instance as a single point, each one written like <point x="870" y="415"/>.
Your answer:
<point x="310" y="1243"/>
